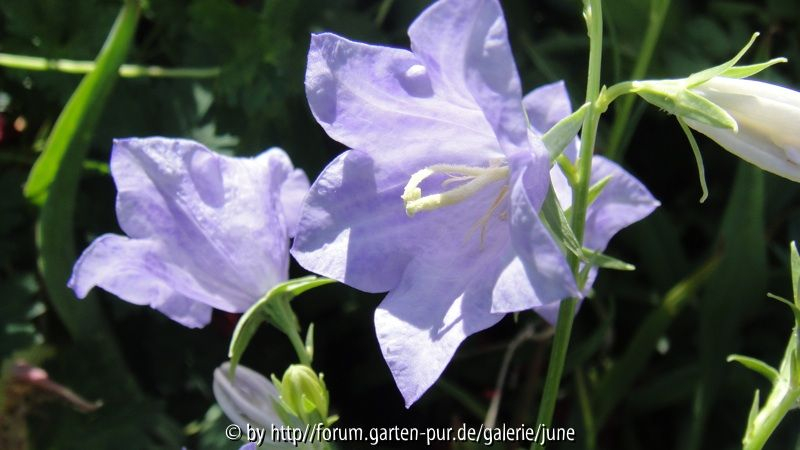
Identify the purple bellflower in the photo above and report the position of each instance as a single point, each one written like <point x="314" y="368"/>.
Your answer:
<point x="203" y="230"/>
<point x="437" y="201"/>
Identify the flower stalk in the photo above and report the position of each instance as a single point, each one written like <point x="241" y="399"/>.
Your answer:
<point x="593" y="14"/>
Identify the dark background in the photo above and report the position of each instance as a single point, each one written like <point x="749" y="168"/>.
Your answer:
<point x="682" y="395"/>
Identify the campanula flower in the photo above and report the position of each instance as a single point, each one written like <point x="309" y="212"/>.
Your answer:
<point x="437" y="201"/>
<point x="247" y="397"/>
<point x="767" y="116"/>
<point x="203" y="230"/>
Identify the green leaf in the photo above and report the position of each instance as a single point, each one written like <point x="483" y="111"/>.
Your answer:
<point x="55" y="175"/>
<point x="705" y="75"/>
<point x="752" y="69"/>
<point x="555" y="220"/>
<point x="73" y="128"/>
<point x="795" y="257"/>
<point x="756" y="365"/>
<point x="604" y="261"/>
<point x="271" y="308"/>
<point x="557" y="138"/>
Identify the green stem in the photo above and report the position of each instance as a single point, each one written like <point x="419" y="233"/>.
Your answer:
<point x="299" y="348"/>
<point x="593" y="14"/>
<point x="292" y="331"/>
<point x="782" y="399"/>
<point x="658" y="12"/>
<point x="83" y="67"/>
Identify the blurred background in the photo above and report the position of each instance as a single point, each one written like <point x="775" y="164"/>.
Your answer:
<point x="646" y="367"/>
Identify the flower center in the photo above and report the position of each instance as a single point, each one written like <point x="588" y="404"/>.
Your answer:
<point x="473" y="178"/>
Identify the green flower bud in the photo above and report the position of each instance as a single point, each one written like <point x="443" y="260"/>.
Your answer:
<point x="304" y="393"/>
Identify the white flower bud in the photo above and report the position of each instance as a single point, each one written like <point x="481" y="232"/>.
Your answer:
<point x="768" y="118"/>
<point x="247" y="398"/>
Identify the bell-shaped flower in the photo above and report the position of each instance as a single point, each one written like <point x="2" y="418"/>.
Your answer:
<point x="247" y="397"/>
<point x="437" y="202"/>
<point x="766" y="115"/>
<point x="203" y="230"/>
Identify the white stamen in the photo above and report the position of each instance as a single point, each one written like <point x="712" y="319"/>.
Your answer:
<point x="479" y="177"/>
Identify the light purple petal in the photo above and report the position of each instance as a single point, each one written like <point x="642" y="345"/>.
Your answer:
<point x="546" y="106"/>
<point x="136" y="271"/>
<point x="351" y="229"/>
<point x="444" y="296"/>
<point x="292" y="185"/>
<point x="464" y="45"/>
<point x="354" y="227"/>
<point x="380" y="100"/>
<point x="624" y="201"/>
<point x="543" y="261"/>
<point x="248" y="398"/>
<point x="216" y="216"/>
<point x="204" y="230"/>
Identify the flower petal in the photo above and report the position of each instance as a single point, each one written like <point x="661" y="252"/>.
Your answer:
<point x="380" y="99"/>
<point x="351" y="229"/>
<point x="544" y="263"/>
<point x="546" y="106"/>
<point x="354" y="228"/>
<point x="442" y="298"/>
<point x="136" y="271"/>
<point x="248" y="398"/>
<point x="623" y="202"/>
<point x="292" y="184"/>
<point x="218" y="217"/>
<point x="464" y="45"/>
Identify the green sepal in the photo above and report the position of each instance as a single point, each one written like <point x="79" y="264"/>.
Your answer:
<point x="675" y="98"/>
<point x="596" y="189"/>
<point x="701" y="77"/>
<point x="568" y="169"/>
<point x="309" y="343"/>
<point x="751" y="69"/>
<point x="751" y="417"/>
<point x="604" y="261"/>
<point x="756" y="365"/>
<point x="698" y="157"/>
<point x="795" y="309"/>
<point x="557" y="138"/>
<point x="272" y="308"/>
<point x="556" y="222"/>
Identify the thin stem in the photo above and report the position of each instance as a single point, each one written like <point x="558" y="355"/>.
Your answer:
<point x="82" y="67"/>
<point x="658" y="12"/>
<point x="593" y="13"/>
<point x="291" y="329"/>
<point x="782" y="399"/>
<point x="524" y="335"/>
<point x="299" y="348"/>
